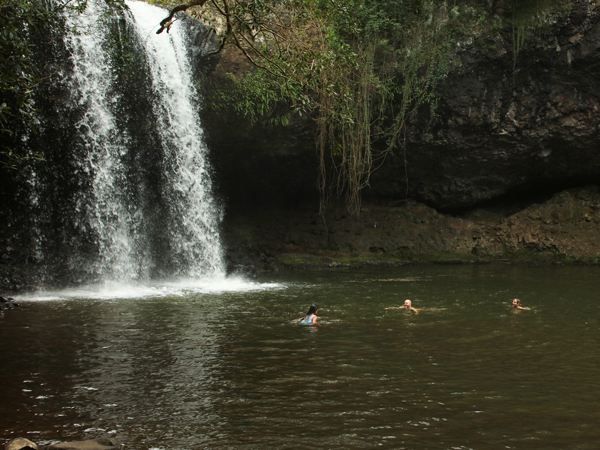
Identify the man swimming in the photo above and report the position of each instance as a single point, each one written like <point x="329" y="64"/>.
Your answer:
<point x="407" y="305"/>
<point x="516" y="304"/>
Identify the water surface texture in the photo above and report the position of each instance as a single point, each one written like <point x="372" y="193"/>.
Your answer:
<point x="227" y="368"/>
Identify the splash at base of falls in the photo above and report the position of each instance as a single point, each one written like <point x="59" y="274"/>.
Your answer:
<point x="170" y="288"/>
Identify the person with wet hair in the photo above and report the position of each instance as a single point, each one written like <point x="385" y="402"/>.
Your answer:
<point x="311" y="316"/>
<point x="407" y="305"/>
<point x="516" y="304"/>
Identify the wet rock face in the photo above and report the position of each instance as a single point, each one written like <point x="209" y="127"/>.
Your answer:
<point x="498" y="129"/>
<point x="8" y="303"/>
<point x="564" y="228"/>
<point x="258" y="164"/>
<point x="261" y="165"/>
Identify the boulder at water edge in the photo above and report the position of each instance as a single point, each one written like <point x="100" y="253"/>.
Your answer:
<point x="20" y="444"/>
<point x="8" y="303"/>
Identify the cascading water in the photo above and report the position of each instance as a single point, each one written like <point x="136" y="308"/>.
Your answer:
<point x="144" y="207"/>
<point x="193" y="213"/>
<point x="106" y="206"/>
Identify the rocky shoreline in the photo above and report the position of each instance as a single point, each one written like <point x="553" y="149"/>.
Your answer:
<point x="563" y="229"/>
<point x="91" y="444"/>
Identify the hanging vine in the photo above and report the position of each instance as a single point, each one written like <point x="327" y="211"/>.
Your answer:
<point x="528" y="16"/>
<point x="379" y="94"/>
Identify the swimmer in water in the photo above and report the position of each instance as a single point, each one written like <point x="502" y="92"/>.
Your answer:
<point x="407" y="305"/>
<point x="311" y="316"/>
<point x="516" y="304"/>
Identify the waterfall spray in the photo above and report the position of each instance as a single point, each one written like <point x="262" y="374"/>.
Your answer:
<point x="105" y="206"/>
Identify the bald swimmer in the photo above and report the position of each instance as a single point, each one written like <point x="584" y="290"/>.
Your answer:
<point x="516" y="304"/>
<point x="407" y="305"/>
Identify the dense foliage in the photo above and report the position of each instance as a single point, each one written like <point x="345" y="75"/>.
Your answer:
<point x="19" y="19"/>
<point x="27" y="29"/>
<point x="360" y="68"/>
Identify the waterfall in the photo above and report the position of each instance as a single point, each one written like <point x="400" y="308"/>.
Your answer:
<point x="144" y="220"/>
<point x="192" y="210"/>
<point x="106" y="206"/>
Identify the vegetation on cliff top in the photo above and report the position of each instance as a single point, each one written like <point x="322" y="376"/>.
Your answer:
<point x="18" y="74"/>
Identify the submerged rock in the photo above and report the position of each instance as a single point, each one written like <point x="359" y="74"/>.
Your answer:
<point x="92" y="444"/>
<point x="8" y="303"/>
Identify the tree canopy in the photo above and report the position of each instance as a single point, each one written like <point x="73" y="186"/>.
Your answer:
<point x="19" y="75"/>
<point x="25" y="26"/>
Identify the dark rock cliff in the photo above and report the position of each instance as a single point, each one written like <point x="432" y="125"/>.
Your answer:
<point x="499" y="129"/>
<point x="505" y="166"/>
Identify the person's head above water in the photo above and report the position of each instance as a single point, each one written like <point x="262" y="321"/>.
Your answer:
<point x="312" y="310"/>
<point x="516" y="304"/>
<point x="407" y="305"/>
<point x="311" y="315"/>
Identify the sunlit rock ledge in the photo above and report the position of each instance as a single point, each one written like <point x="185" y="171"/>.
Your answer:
<point x="562" y="229"/>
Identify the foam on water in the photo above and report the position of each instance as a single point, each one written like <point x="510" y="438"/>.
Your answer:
<point x="179" y="288"/>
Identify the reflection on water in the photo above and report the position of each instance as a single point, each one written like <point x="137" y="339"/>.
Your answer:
<point x="199" y="367"/>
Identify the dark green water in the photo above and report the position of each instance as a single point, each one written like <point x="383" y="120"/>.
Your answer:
<point x="231" y="370"/>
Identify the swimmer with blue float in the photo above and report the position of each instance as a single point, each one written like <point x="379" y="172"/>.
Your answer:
<point x="407" y="305"/>
<point x="311" y="316"/>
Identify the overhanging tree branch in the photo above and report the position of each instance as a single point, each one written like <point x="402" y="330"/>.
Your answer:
<point x="166" y="22"/>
